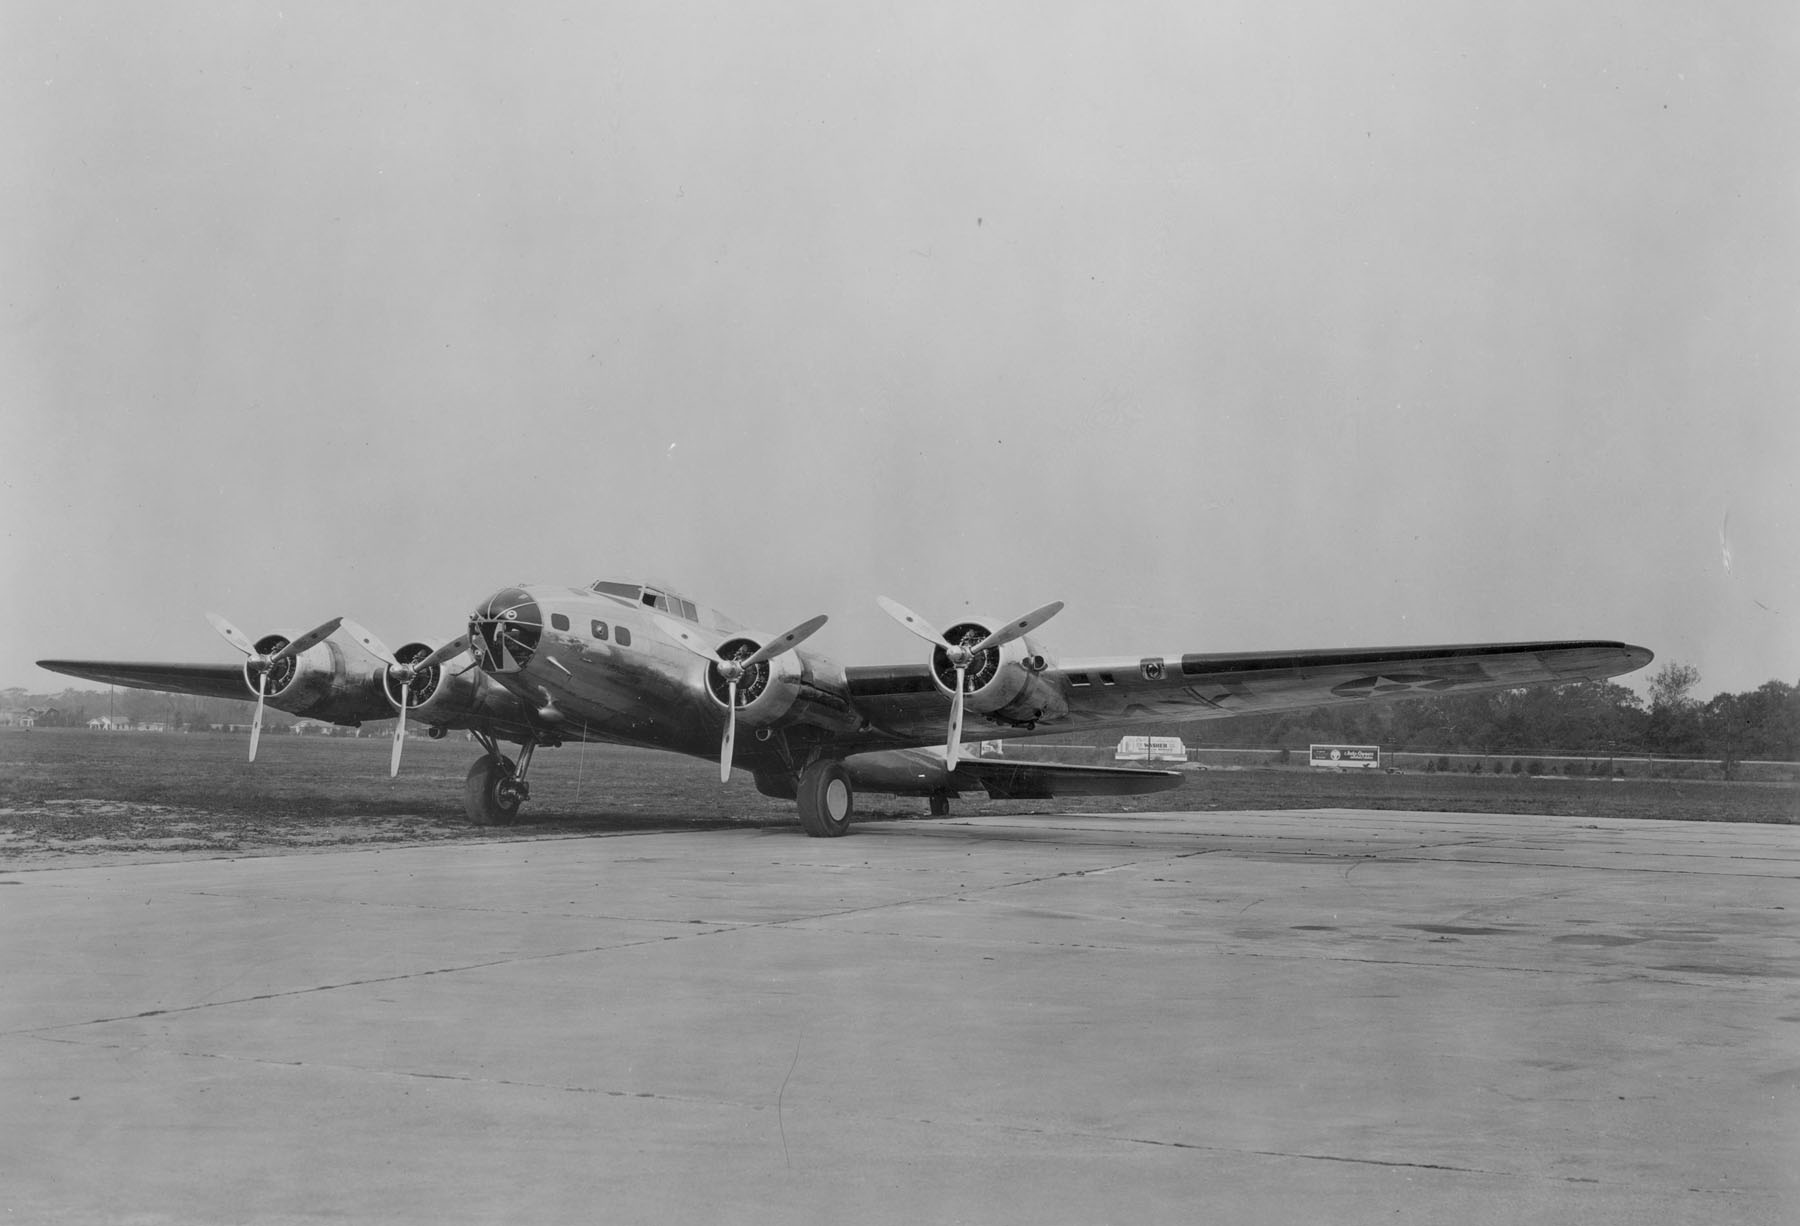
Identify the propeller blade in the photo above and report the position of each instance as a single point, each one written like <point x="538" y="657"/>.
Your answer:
<point x="232" y="634"/>
<point x="954" y="744"/>
<point x="399" y="733"/>
<point x="262" y="681"/>
<point x="787" y="642"/>
<point x="370" y="643"/>
<point x="912" y="621"/>
<point x="768" y="651"/>
<point x="1017" y="627"/>
<point x="306" y="642"/>
<point x="449" y="651"/>
<point x="726" y="749"/>
<point x="687" y="638"/>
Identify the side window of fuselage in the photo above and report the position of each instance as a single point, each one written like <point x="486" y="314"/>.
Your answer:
<point x="559" y="621"/>
<point x="622" y="636"/>
<point x="600" y="630"/>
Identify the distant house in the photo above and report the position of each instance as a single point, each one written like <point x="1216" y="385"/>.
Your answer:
<point x="108" y="723"/>
<point x="20" y="719"/>
<point x="309" y="727"/>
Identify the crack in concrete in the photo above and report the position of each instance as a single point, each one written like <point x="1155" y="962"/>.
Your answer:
<point x="734" y="1104"/>
<point x="722" y="926"/>
<point x="173" y="1010"/>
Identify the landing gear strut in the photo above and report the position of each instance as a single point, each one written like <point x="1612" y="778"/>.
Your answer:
<point x="496" y="785"/>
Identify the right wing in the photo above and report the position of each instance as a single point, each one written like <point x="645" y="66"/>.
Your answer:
<point x="338" y="695"/>
<point x="206" y="680"/>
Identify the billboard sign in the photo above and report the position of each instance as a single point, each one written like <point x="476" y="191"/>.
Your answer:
<point x="1341" y="756"/>
<point x="1150" y="749"/>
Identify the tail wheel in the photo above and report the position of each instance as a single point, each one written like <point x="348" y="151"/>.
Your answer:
<point x="826" y="800"/>
<point x="492" y="794"/>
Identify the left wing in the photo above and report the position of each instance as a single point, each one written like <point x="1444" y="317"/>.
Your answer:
<point x="1214" y="686"/>
<point x="1121" y="691"/>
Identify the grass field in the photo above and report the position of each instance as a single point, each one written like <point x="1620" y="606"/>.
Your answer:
<point x="66" y="792"/>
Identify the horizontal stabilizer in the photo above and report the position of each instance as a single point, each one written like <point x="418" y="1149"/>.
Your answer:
<point x="1045" y="780"/>
<point x="921" y="772"/>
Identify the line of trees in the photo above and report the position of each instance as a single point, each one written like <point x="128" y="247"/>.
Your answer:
<point x="1590" y="717"/>
<point x="73" y="708"/>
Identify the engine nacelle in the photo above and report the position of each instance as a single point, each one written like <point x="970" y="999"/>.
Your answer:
<point x="1005" y="683"/>
<point x="450" y="695"/>
<point x="321" y="682"/>
<point x="790" y="689"/>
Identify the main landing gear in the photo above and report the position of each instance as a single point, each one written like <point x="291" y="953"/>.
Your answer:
<point x="826" y="799"/>
<point x="496" y="785"/>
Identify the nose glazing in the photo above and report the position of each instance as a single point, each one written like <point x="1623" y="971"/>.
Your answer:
<point x="505" y="630"/>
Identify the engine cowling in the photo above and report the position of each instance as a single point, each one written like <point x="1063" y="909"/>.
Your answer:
<point x="321" y="682"/>
<point x="450" y="695"/>
<point x="789" y="689"/>
<point x="1005" y="683"/>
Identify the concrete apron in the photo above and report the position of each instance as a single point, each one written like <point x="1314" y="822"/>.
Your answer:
<point x="1243" y="1017"/>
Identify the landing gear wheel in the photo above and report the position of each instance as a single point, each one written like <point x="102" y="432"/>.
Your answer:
<point x="826" y="800"/>
<point x="940" y="806"/>
<point x="492" y="794"/>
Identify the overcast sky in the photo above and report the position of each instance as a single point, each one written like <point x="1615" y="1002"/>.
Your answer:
<point x="1233" y="326"/>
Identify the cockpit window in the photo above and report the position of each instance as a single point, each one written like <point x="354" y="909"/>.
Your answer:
<point x="665" y="603"/>
<point x="649" y="597"/>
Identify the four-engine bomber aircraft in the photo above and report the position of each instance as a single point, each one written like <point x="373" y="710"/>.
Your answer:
<point x="633" y="664"/>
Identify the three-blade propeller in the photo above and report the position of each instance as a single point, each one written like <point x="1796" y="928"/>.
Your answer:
<point x="962" y="654"/>
<point x="733" y="670"/>
<point x="404" y="674"/>
<point x="260" y="664"/>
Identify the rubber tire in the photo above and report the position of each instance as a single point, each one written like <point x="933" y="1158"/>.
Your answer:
<point x="827" y="801"/>
<point x="481" y="792"/>
<point x="940" y="806"/>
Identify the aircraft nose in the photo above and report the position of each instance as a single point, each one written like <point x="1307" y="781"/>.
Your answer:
<point x="504" y="630"/>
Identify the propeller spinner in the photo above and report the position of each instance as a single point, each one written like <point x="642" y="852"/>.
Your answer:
<point x="962" y="654"/>
<point x="734" y="669"/>
<point x="261" y="664"/>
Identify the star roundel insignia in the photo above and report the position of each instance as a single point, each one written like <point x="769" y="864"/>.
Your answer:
<point x="1384" y="684"/>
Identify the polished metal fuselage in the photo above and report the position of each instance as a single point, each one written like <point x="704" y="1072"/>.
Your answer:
<point x="599" y="668"/>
